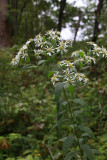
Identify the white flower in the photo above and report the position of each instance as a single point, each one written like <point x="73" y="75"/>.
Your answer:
<point x="49" y="50"/>
<point x="104" y="52"/>
<point x="79" y="53"/>
<point x="66" y="62"/>
<point x="53" y="34"/>
<point x="62" y="47"/>
<point x="15" y="60"/>
<point x="69" y="81"/>
<point x="37" y="53"/>
<point x="77" y="61"/>
<point x="86" y="80"/>
<point x="74" y="54"/>
<point x="80" y="77"/>
<point x="38" y="40"/>
<point x="54" y="79"/>
<point x="24" y="47"/>
<point x="97" y="50"/>
<point x="90" y="59"/>
<point x="24" y="55"/>
<point x="28" y="42"/>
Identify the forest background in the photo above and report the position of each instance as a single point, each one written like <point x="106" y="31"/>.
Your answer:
<point x="27" y="103"/>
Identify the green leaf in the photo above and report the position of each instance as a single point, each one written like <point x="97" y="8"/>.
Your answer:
<point x="28" y="59"/>
<point x="80" y="64"/>
<point x="70" y="128"/>
<point x="87" y="130"/>
<point x="79" y="101"/>
<point x="58" y="123"/>
<point x="44" y="38"/>
<point x="70" y="155"/>
<point x="61" y="113"/>
<point x="96" y="151"/>
<point x="81" y="54"/>
<point x="88" y="152"/>
<point x="86" y="67"/>
<point x="41" y="61"/>
<point x="58" y="89"/>
<point x="77" y="112"/>
<point x="29" y="157"/>
<point x="50" y="73"/>
<point x="68" y="143"/>
<point x="71" y="89"/>
<point x="27" y="152"/>
<point x="29" y="66"/>
<point x="10" y="158"/>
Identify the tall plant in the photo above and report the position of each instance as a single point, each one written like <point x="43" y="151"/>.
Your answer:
<point x="65" y="76"/>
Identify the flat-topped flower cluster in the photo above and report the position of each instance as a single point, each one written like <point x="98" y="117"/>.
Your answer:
<point x="47" y="45"/>
<point x="98" y="51"/>
<point x="51" y="44"/>
<point x="68" y="72"/>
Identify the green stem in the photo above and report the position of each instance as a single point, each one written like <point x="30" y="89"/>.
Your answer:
<point x="72" y="119"/>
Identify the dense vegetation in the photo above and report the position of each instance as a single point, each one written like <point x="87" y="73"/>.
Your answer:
<point x="48" y="112"/>
<point x="28" y="111"/>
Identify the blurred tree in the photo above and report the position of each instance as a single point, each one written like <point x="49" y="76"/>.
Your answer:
<point x="94" y="20"/>
<point x="4" y="32"/>
<point x="78" y="25"/>
<point x="61" y="12"/>
<point x="97" y="22"/>
<point x="29" y="17"/>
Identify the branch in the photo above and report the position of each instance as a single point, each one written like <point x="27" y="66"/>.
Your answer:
<point x="50" y="152"/>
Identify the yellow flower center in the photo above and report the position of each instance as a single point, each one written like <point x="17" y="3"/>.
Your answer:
<point x="67" y="62"/>
<point x="71" y="65"/>
<point x="69" y="81"/>
<point x="61" y="47"/>
<point x="59" y="63"/>
<point x="83" y="76"/>
<point x="49" y="49"/>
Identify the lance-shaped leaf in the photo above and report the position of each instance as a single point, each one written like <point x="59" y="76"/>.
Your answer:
<point x="87" y="130"/>
<point x="41" y="61"/>
<point x="70" y="155"/>
<point x="88" y="152"/>
<point x="71" y="89"/>
<point x="79" y="101"/>
<point x="50" y="73"/>
<point x="58" y="89"/>
<point x="68" y="143"/>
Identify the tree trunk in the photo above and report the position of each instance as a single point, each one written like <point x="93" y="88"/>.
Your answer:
<point x="96" y="23"/>
<point x="4" y="32"/>
<point x="78" y="25"/>
<point x="61" y="11"/>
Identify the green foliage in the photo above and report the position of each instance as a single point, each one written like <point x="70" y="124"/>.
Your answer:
<point x="68" y="143"/>
<point x="28" y="113"/>
<point x="88" y="152"/>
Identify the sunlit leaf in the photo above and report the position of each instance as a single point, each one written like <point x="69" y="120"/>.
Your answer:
<point x="50" y="73"/>
<point x="28" y="59"/>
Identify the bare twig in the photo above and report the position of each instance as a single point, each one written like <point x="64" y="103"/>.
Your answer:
<point x="50" y="152"/>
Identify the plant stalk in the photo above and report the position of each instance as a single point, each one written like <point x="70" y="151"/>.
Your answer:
<point x="72" y="119"/>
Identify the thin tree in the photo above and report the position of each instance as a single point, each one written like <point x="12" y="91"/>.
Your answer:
<point x="4" y="32"/>
<point x="97" y="22"/>
<point x="78" y="25"/>
<point x="61" y="12"/>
